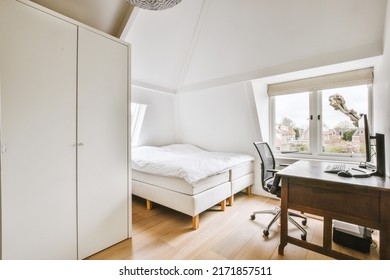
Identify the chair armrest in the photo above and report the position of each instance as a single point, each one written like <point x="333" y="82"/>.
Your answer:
<point x="273" y="170"/>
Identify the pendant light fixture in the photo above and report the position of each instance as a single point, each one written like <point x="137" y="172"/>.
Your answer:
<point x="154" y="5"/>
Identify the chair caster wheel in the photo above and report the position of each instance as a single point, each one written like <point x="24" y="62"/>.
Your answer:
<point x="253" y="217"/>
<point x="266" y="232"/>
<point x="303" y="237"/>
<point x="304" y="222"/>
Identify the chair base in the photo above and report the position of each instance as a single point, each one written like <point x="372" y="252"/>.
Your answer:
<point x="276" y="213"/>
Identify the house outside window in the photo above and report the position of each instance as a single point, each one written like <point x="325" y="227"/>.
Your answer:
<point x="321" y="117"/>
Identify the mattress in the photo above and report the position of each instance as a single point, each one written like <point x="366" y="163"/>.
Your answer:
<point x="180" y="185"/>
<point x="185" y="161"/>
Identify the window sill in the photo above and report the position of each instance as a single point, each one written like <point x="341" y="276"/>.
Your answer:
<point x="296" y="157"/>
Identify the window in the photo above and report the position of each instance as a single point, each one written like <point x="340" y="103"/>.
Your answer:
<point x="321" y="117"/>
<point x="291" y="127"/>
<point x="137" y="117"/>
<point x="339" y="134"/>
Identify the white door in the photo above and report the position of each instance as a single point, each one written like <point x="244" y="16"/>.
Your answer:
<point x="38" y="124"/>
<point x="102" y="137"/>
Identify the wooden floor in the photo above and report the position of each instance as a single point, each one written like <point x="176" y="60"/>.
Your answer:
<point x="164" y="234"/>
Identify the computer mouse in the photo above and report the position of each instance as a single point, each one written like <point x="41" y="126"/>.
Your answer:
<point x="345" y="173"/>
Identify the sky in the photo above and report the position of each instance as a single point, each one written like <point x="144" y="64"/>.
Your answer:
<point x="295" y="106"/>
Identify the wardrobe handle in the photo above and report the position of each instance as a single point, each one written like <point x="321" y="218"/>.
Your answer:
<point x="80" y="144"/>
<point x="3" y="149"/>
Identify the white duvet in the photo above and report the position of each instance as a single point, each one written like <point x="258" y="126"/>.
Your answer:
<point x="184" y="161"/>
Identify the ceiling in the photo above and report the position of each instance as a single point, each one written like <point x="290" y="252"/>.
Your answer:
<point x="203" y="43"/>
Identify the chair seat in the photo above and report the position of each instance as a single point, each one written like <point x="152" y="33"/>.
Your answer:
<point x="272" y="189"/>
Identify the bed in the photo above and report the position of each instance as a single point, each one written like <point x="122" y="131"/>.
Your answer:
<point x="189" y="179"/>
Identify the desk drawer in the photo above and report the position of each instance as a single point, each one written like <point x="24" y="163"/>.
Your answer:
<point x="341" y="200"/>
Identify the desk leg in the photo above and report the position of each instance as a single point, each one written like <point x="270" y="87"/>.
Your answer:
<point x="283" y="217"/>
<point x="327" y="233"/>
<point x="384" y="232"/>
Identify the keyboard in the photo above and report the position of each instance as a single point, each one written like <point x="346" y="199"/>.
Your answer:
<point x="336" y="168"/>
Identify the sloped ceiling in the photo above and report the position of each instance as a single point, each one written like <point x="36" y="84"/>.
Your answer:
<point x="202" y="43"/>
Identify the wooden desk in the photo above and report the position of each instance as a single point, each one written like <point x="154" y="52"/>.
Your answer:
<point x="362" y="201"/>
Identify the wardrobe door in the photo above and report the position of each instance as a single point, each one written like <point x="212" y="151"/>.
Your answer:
<point x="102" y="143"/>
<point x="38" y="101"/>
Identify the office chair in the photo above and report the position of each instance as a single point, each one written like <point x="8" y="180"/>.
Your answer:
<point x="271" y="184"/>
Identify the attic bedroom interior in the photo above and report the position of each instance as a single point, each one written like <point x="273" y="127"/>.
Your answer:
<point x="129" y="133"/>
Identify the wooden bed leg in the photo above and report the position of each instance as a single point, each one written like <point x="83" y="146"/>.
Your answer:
<point x="149" y="204"/>
<point x="249" y="190"/>
<point x="195" y="222"/>
<point x="223" y="205"/>
<point x="231" y="200"/>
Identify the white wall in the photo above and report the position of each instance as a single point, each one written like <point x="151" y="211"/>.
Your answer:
<point x="158" y="127"/>
<point x="262" y="107"/>
<point x="382" y="92"/>
<point x="220" y="119"/>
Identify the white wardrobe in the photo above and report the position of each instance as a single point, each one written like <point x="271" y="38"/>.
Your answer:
<point x="64" y="95"/>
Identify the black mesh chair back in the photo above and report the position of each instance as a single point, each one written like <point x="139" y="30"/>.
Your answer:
<point x="267" y="161"/>
<point x="269" y="182"/>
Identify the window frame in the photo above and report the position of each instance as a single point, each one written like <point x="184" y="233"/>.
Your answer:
<point x="138" y="111"/>
<point x="315" y="126"/>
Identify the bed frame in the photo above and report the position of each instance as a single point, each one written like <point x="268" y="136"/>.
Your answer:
<point x="177" y="194"/>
